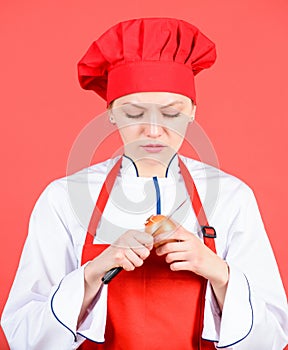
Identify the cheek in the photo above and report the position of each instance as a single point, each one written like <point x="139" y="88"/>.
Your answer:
<point x="129" y="133"/>
<point x="177" y="133"/>
<point x="176" y="139"/>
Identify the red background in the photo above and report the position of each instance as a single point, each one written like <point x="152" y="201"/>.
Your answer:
<point x="242" y="100"/>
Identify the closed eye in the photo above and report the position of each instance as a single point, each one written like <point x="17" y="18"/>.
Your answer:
<point x="171" y="115"/>
<point x="135" y="116"/>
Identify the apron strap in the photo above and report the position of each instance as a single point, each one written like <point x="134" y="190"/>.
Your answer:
<point x="101" y="201"/>
<point x="209" y="232"/>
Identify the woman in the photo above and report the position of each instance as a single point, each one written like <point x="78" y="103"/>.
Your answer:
<point x="144" y="69"/>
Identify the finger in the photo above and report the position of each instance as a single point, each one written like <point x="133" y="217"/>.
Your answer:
<point x="180" y="266"/>
<point x="122" y="261"/>
<point x="178" y="256"/>
<point x="135" y="239"/>
<point x="127" y="265"/>
<point x="133" y="258"/>
<point x="142" y="252"/>
<point x="144" y="238"/>
<point x="140" y="249"/>
<point x="164" y="236"/>
<point x="178" y="235"/>
<point x="173" y="247"/>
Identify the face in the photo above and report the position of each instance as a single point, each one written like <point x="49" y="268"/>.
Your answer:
<point x="152" y="125"/>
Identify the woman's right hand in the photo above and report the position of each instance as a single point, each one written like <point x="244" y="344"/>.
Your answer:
<point x="128" y="251"/>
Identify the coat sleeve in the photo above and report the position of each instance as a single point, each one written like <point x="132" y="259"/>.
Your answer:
<point x="255" y="314"/>
<point x="46" y="297"/>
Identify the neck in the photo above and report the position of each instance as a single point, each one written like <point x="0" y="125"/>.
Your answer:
<point x="150" y="168"/>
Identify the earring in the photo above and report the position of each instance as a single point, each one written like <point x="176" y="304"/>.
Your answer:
<point x="112" y="121"/>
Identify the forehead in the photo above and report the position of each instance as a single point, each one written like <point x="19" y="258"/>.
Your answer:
<point x="161" y="98"/>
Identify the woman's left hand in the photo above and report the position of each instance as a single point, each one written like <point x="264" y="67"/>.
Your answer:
<point x="189" y="253"/>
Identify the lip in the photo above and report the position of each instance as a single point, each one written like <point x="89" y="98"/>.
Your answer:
<point x="153" y="148"/>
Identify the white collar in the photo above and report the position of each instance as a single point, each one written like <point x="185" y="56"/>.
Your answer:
<point x="129" y="168"/>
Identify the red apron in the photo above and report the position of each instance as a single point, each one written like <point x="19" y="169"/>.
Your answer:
<point x="152" y="307"/>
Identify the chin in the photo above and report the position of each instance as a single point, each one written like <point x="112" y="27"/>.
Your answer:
<point x="140" y="155"/>
<point x="163" y="158"/>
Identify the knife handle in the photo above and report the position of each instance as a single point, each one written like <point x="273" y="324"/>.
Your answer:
<point x="109" y="275"/>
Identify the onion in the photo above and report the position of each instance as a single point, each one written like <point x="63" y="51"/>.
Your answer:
<point x="153" y="226"/>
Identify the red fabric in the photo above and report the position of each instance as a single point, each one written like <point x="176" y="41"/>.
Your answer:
<point x="151" y="307"/>
<point x="146" y="54"/>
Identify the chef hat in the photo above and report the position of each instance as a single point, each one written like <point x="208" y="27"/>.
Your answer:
<point x="146" y="54"/>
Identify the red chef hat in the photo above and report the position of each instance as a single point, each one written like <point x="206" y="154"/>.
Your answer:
<point x="146" y="54"/>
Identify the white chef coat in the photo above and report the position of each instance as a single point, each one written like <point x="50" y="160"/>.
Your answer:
<point x="47" y="293"/>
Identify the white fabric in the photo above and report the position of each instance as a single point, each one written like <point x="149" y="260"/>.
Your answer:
<point x="46" y="297"/>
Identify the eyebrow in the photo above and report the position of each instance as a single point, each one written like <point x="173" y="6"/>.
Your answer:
<point x="138" y="106"/>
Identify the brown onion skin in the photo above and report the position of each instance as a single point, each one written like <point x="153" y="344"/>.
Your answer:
<point x="154" y="221"/>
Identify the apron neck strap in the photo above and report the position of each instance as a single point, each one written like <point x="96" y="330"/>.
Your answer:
<point x="102" y="201"/>
<point x="209" y="232"/>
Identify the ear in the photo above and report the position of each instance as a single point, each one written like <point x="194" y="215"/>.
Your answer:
<point x="193" y="113"/>
<point x="110" y="115"/>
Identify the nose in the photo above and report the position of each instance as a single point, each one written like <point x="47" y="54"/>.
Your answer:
<point x="153" y="128"/>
